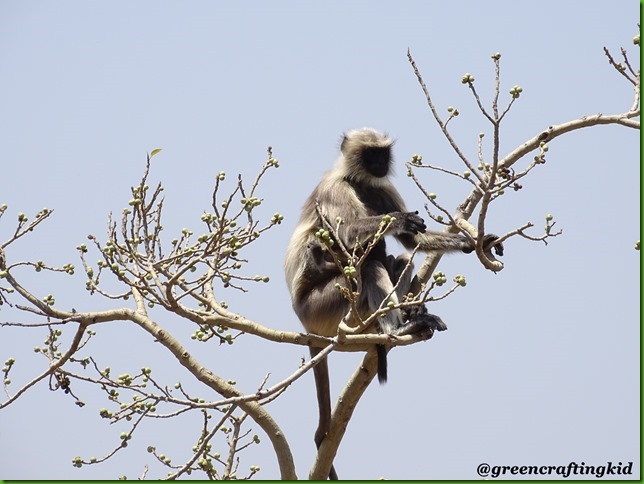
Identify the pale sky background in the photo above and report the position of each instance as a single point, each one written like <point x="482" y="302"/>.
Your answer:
<point x="541" y="362"/>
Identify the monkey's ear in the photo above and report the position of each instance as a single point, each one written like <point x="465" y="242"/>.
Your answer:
<point x="343" y="145"/>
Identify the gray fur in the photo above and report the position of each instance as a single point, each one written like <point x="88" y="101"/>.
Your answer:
<point x="360" y="199"/>
<point x="359" y="192"/>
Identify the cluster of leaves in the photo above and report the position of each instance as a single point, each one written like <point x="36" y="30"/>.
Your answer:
<point x="135" y="255"/>
<point x="143" y="402"/>
<point x="154" y="273"/>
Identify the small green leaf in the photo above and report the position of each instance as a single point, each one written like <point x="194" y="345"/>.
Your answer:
<point x="154" y="152"/>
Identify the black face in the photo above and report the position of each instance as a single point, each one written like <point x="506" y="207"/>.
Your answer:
<point x="376" y="161"/>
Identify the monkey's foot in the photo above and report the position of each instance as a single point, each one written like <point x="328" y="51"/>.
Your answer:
<point x="420" y="313"/>
<point x="420" y="321"/>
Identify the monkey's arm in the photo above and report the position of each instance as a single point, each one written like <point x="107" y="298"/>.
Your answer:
<point x="436" y="241"/>
<point x="443" y="242"/>
<point x="362" y="229"/>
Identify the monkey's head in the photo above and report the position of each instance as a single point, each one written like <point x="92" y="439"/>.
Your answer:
<point x="366" y="153"/>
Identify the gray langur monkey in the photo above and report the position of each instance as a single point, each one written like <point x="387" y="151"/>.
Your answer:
<point x="358" y="191"/>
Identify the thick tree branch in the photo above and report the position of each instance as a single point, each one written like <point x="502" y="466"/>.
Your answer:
<point x="208" y="378"/>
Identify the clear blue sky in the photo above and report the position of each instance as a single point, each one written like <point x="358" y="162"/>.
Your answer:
<point x="540" y="365"/>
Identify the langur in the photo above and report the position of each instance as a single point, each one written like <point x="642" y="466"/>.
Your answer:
<point x="358" y="193"/>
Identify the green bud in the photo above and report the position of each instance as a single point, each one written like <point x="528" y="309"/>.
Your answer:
<point x="467" y="79"/>
<point x="350" y="271"/>
<point x="460" y="280"/>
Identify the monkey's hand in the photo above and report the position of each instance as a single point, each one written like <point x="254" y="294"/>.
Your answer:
<point x="489" y="243"/>
<point x="409" y="222"/>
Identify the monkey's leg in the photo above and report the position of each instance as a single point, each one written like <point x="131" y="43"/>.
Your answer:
<point x="322" y="307"/>
<point x="400" y="270"/>
<point x="322" y="387"/>
<point x="376" y="287"/>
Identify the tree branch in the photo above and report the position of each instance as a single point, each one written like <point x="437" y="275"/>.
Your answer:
<point x="208" y="378"/>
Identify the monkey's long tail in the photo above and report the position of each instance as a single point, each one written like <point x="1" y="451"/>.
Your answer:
<point x="382" y="363"/>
